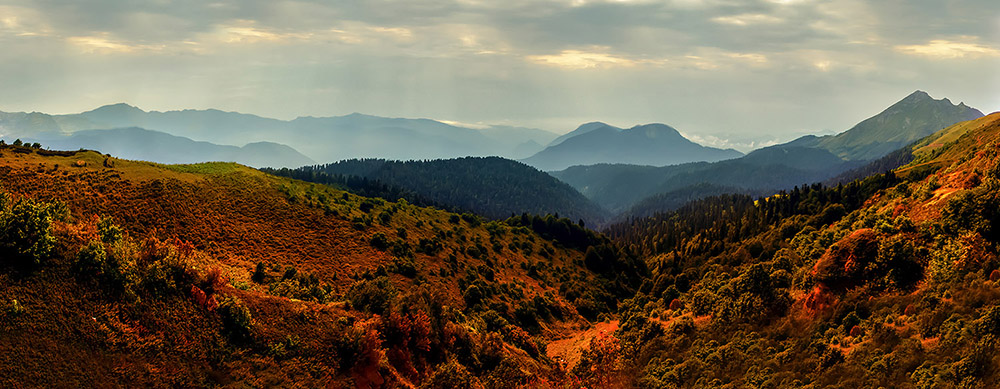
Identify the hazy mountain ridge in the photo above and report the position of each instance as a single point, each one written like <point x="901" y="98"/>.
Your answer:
<point x="154" y="146"/>
<point x="649" y="144"/>
<point x="320" y="138"/>
<point x="914" y="117"/>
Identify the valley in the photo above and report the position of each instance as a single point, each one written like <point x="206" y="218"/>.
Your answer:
<point x="219" y="274"/>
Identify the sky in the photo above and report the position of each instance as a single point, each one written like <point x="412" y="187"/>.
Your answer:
<point x="722" y="72"/>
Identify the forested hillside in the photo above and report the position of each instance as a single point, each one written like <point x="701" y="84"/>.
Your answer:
<point x="493" y="187"/>
<point x="889" y="281"/>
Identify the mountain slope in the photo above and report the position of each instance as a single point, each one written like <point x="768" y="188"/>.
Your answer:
<point x="890" y="281"/>
<point x="155" y="146"/>
<point x="914" y="117"/>
<point x="492" y="186"/>
<point x="651" y="144"/>
<point x="220" y="275"/>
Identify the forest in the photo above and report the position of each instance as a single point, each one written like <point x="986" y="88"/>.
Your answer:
<point x="493" y="187"/>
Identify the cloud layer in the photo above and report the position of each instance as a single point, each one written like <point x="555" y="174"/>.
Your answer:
<point x="768" y="67"/>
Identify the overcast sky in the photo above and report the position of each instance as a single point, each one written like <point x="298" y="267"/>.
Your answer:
<point x="731" y="69"/>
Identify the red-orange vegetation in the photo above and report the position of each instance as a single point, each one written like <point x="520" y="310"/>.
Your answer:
<point x="843" y="264"/>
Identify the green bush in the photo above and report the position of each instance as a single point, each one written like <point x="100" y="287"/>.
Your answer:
<point x="108" y="231"/>
<point x="374" y="296"/>
<point x="259" y="273"/>
<point x="451" y="375"/>
<point x="15" y="308"/>
<point x="379" y="241"/>
<point x="236" y="319"/>
<point x="116" y="271"/>
<point x="26" y="230"/>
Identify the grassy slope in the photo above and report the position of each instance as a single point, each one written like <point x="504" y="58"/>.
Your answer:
<point x="235" y="217"/>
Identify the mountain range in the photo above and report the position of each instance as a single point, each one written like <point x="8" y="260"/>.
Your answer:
<point x="650" y="167"/>
<point x="319" y="138"/>
<point x="618" y="187"/>
<point x="141" y="144"/>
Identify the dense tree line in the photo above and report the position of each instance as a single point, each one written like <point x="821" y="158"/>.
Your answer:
<point x="714" y="221"/>
<point x="887" y="163"/>
<point x="361" y="186"/>
<point x="669" y="201"/>
<point x="493" y="187"/>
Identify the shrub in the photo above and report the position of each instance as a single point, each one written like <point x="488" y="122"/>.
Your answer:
<point x="844" y="264"/>
<point x="168" y="275"/>
<point x="431" y="246"/>
<point x="406" y="267"/>
<point x="236" y="319"/>
<point x="259" y="273"/>
<point x="451" y="375"/>
<point x="26" y="230"/>
<point x="473" y="220"/>
<point x="115" y="270"/>
<point x="108" y="231"/>
<point x="374" y="296"/>
<point x="15" y="308"/>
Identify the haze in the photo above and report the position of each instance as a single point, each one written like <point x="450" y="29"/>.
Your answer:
<point x="725" y="73"/>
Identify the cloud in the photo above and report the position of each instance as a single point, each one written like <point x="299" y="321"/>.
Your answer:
<point x="948" y="49"/>
<point x="596" y="58"/>
<point x="22" y="22"/>
<point x="747" y="19"/>
<point x="103" y="44"/>
<point x="474" y="126"/>
<point x="519" y="61"/>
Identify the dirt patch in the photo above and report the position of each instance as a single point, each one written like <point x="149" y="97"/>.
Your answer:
<point x="567" y="351"/>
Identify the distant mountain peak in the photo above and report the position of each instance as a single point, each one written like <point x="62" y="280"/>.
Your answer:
<point x="653" y="144"/>
<point x="119" y="108"/>
<point x="590" y="126"/>
<point x="656" y="130"/>
<point x="914" y="117"/>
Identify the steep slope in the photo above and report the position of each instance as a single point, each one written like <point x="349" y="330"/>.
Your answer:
<point x="914" y="117"/>
<point x="889" y="281"/>
<point x="651" y="144"/>
<point x="155" y="146"/>
<point x="494" y="187"/>
<point x="222" y="275"/>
